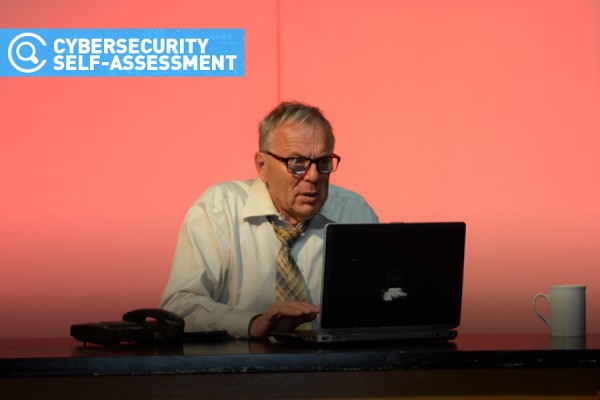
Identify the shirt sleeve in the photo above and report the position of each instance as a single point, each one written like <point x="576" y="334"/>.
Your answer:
<point x="197" y="288"/>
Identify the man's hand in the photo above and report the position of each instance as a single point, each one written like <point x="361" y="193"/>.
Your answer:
<point x="283" y="316"/>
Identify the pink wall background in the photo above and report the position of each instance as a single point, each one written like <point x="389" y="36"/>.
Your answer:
<point x="486" y="112"/>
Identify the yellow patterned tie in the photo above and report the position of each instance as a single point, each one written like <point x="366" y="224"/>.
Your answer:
<point x="290" y="284"/>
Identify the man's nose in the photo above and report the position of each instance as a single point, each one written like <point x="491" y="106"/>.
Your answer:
<point x="313" y="173"/>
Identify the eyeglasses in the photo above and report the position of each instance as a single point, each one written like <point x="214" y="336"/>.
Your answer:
<point x="300" y="165"/>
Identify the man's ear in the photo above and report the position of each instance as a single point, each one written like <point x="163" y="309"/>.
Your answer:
<point x="261" y="165"/>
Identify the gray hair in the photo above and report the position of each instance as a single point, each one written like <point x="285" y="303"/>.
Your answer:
<point x="291" y="113"/>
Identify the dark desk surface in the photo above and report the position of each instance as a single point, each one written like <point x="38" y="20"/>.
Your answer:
<point x="67" y="357"/>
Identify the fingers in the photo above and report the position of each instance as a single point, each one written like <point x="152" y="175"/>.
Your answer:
<point x="282" y="316"/>
<point x="291" y="309"/>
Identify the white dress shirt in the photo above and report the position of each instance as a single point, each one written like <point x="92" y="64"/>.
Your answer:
<point x="223" y="272"/>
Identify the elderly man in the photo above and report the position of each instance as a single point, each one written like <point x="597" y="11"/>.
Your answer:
<point x="249" y="257"/>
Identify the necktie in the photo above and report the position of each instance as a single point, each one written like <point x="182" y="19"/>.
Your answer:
<point x="289" y="282"/>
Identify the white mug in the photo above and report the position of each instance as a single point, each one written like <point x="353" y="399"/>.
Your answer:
<point x="567" y="310"/>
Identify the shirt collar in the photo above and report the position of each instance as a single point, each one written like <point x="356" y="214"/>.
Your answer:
<point x="259" y="201"/>
<point x="260" y="204"/>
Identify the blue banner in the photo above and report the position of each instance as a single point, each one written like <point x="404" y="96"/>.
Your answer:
<point x="122" y="52"/>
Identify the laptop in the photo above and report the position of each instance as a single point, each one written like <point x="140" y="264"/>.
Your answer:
<point x="389" y="281"/>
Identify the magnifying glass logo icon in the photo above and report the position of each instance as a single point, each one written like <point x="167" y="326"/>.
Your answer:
<point x="26" y="57"/>
<point x="32" y="57"/>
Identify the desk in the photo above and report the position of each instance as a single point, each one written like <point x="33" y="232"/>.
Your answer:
<point x="479" y="366"/>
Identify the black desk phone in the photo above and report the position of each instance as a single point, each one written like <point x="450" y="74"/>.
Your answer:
<point x="146" y="325"/>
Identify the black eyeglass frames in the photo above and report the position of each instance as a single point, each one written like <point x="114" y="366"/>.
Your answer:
<point x="301" y="165"/>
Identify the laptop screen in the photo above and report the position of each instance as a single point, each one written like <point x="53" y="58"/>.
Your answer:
<point x="398" y="274"/>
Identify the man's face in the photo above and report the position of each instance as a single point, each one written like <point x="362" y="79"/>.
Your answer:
<point x="296" y="197"/>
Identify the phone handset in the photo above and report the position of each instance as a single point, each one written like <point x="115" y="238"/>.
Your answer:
<point x="167" y="324"/>
<point x="144" y="325"/>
